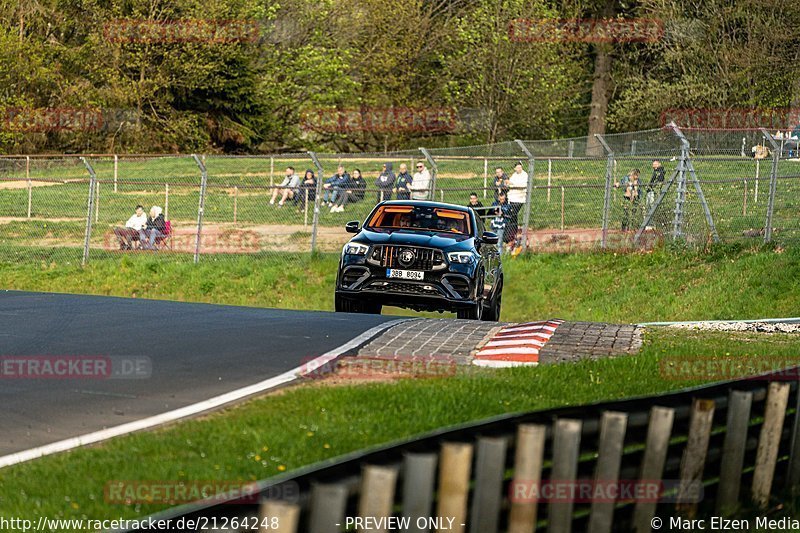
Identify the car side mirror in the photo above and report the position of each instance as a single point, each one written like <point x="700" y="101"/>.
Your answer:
<point x="490" y="237"/>
<point x="352" y="227"/>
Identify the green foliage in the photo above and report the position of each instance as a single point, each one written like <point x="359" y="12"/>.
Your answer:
<point x="250" y="96"/>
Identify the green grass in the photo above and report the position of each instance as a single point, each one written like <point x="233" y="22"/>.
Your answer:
<point x="303" y="425"/>
<point x="728" y="283"/>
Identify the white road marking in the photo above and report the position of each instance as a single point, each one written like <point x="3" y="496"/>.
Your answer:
<point x="196" y="408"/>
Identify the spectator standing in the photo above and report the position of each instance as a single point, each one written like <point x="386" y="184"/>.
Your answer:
<point x="131" y="230"/>
<point x="656" y="181"/>
<point x="498" y="225"/>
<point x="500" y="182"/>
<point x="154" y="228"/>
<point x="630" y="197"/>
<point x="517" y="194"/>
<point x="404" y="179"/>
<point x="385" y="183"/>
<point x="505" y="209"/>
<point x="287" y="188"/>
<point x="476" y="205"/>
<point x="333" y="184"/>
<point x="420" y="187"/>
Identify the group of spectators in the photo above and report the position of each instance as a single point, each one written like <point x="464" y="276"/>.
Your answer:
<point x="144" y="229"/>
<point x="631" y="187"/>
<point x="510" y="195"/>
<point x="343" y="187"/>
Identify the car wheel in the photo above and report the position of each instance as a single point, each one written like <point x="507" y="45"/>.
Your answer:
<point x="371" y="308"/>
<point x="493" y="313"/>
<point x="344" y="305"/>
<point x="471" y="313"/>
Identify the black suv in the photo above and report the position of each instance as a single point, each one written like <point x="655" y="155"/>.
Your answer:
<point x="426" y="256"/>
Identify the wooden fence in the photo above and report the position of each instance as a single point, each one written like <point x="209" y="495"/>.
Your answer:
<point x="711" y="451"/>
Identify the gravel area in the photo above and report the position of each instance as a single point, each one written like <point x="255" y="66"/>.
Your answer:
<point x="760" y="327"/>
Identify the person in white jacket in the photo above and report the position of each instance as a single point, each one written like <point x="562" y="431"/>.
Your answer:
<point x="420" y="186"/>
<point x="517" y="194"/>
<point x="131" y="230"/>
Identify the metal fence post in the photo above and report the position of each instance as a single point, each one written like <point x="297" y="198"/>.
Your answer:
<point x="607" y="193"/>
<point x="526" y="218"/>
<point x="200" y="206"/>
<point x="89" y="208"/>
<point x="317" y="198"/>
<point x="680" y="198"/>
<point x="434" y="170"/>
<point x="30" y="185"/>
<point x="773" y="179"/>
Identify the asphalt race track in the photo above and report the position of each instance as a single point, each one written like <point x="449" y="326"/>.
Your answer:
<point x="197" y="351"/>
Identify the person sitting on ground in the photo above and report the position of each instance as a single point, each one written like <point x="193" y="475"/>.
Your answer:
<point x="308" y="188"/>
<point x="351" y="191"/>
<point x="333" y="185"/>
<point x="287" y="188"/>
<point x="385" y="182"/>
<point x="154" y="228"/>
<point x="404" y="179"/>
<point x="130" y="232"/>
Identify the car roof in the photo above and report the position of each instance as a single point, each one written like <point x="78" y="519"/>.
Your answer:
<point x="427" y="203"/>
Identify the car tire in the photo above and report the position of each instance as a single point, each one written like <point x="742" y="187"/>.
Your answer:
<point x="344" y="305"/>
<point x="492" y="314"/>
<point x="471" y="313"/>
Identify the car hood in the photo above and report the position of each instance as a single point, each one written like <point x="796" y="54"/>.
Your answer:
<point x="412" y="238"/>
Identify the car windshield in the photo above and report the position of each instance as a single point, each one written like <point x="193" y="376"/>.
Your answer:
<point x="428" y="218"/>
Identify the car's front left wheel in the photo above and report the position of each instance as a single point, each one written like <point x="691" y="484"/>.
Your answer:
<point x="492" y="313"/>
<point x="345" y="305"/>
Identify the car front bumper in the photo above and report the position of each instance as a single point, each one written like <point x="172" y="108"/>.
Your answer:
<point x="443" y="290"/>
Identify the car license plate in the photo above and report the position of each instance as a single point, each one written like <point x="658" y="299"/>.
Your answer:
<point x="405" y="274"/>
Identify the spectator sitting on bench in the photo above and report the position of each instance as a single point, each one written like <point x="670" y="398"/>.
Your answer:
<point x="131" y="230"/>
<point x="154" y="229"/>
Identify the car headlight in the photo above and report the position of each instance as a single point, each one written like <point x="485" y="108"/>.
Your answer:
<point x="461" y="257"/>
<point x="355" y="248"/>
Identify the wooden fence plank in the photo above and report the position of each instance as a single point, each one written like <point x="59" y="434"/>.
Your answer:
<point x="768" y="442"/>
<point x="528" y="462"/>
<point x="655" y="454"/>
<point x="693" y="461"/>
<point x="278" y="517"/>
<point x="733" y="448"/>
<point x="793" y="479"/>
<point x="377" y="494"/>
<point x="455" y="466"/>
<point x="328" y="506"/>
<point x="609" y="459"/>
<point x="566" y="447"/>
<point x="490" y="464"/>
<point x="419" y="478"/>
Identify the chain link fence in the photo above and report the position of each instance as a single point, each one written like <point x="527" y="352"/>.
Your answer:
<point x="607" y="192"/>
